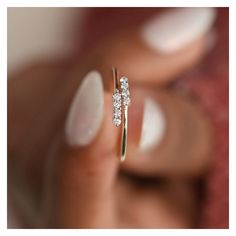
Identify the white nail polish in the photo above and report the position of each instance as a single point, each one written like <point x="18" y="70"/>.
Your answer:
<point x="86" y="111"/>
<point x="175" y="29"/>
<point x="154" y="125"/>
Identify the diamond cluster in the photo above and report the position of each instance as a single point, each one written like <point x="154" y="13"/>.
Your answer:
<point x="125" y="91"/>
<point x="116" y="100"/>
<point x="120" y="98"/>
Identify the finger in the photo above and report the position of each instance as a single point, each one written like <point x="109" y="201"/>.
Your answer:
<point x="162" y="48"/>
<point x="175" y="139"/>
<point x="84" y="160"/>
<point x="83" y="169"/>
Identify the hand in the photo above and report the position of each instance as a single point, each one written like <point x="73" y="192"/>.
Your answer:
<point x="63" y="165"/>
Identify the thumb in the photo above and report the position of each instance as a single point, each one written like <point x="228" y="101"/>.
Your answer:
<point x="83" y="164"/>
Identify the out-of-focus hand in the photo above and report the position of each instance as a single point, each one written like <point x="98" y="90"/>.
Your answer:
<point x="62" y="146"/>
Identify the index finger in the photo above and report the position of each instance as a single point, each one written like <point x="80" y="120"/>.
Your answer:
<point x="162" y="48"/>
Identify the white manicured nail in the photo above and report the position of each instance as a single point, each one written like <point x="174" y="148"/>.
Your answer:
<point x="153" y="127"/>
<point x="86" y="112"/>
<point x="175" y="29"/>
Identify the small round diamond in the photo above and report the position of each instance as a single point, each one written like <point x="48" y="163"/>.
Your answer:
<point x="125" y="93"/>
<point x="126" y="101"/>
<point x="124" y="86"/>
<point x="117" y="104"/>
<point x="116" y="99"/>
<point x="123" y="79"/>
<point x="116" y="121"/>
<point x="117" y="112"/>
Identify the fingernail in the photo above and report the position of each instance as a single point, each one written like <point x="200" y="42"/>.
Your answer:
<point x="86" y="111"/>
<point x="175" y="29"/>
<point x="153" y="126"/>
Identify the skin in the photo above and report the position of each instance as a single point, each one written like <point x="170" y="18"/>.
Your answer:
<point x="87" y="187"/>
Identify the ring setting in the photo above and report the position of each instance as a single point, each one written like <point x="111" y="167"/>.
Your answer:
<point x="121" y="101"/>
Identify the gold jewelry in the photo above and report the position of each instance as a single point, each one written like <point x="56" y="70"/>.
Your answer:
<point x="121" y="102"/>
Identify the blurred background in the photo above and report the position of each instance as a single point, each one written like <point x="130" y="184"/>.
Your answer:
<point x="38" y="33"/>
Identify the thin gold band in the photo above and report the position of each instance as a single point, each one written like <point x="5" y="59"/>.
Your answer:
<point x="115" y="78"/>
<point x="124" y="134"/>
<point x="124" y="131"/>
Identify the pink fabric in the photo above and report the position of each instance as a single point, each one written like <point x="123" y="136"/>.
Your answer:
<point x="210" y="85"/>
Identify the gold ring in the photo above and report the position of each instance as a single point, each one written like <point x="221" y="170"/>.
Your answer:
<point x="121" y="102"/>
